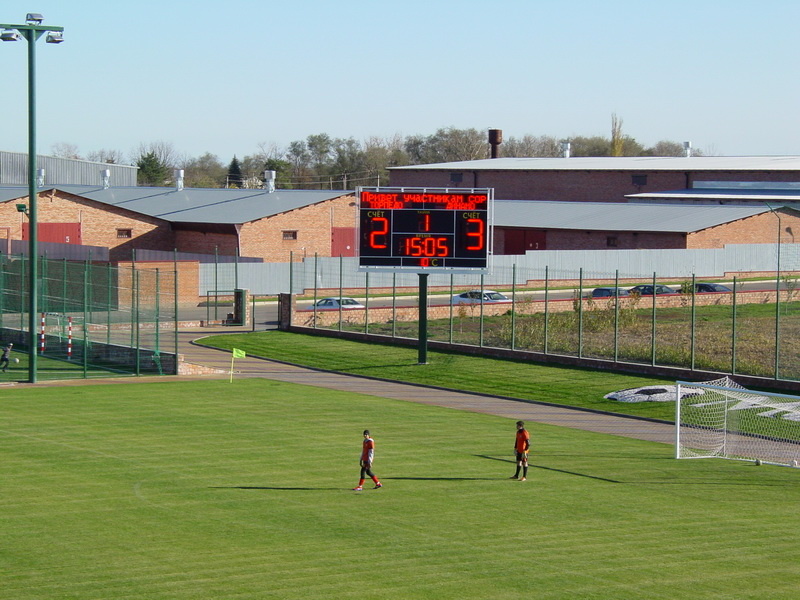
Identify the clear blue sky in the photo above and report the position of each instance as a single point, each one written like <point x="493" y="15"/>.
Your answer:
<point x="224" y="77"/>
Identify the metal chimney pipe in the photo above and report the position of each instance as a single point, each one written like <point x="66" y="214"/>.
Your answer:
<point x="40" y="177"/>
<point x="495" y="139"/>
<point x="179" y="179"/>
<point x="105" y="175"/>
<point x="269" y="181"/>
<point x="687" y="149"/>
<point x="565" y="149"/>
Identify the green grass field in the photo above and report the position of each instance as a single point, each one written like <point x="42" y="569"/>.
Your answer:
<point x="582" y="388"/>
<point x="216" y="490"/>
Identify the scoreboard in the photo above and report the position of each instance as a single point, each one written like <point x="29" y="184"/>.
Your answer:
<point x="424" y="229"/>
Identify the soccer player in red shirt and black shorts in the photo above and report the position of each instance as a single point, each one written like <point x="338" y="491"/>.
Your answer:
<point x="367" y="455"/>
<point x="521" y="447"/>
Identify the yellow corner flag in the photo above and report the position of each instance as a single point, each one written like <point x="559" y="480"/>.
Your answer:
<point x="234" y="355"/>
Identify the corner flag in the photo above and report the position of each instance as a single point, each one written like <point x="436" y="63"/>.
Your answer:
<point x="234" y="355"/>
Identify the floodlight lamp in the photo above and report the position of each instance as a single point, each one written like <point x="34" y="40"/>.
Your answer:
<point x="34" y="19"/>
<point x="9" y="35"/>
<point x="23" y="208"/>
<point x="54" y="37"/>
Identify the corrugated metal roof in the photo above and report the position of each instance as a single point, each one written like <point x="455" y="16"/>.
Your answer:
<point x="731" y="194"/>
<point x="617" y="216"/>
<point x="608" y="163"/>
<point x="194" y="205"/>
<point x="14" y="170"/>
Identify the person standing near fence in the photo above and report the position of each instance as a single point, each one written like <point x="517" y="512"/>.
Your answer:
<point x="6" y="357"/>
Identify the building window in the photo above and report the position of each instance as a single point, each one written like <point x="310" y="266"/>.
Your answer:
<point x="125" y="233"/>
<point x="611" y="241"/>
<point x="639" y="180"/>
<point x="290" y="235"/>
<point x="456" y="177"/>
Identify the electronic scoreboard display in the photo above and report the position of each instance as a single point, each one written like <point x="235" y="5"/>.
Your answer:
<point x="424" y="229"/>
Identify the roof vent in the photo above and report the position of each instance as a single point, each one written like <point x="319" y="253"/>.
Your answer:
<point x="565" y="149"/>
<point x="40" y="177"/>
<point x="179" y="179"/>
<point x="105" y="175"/>
<point x="269" y="181"/>
<point x="687" y="149"/>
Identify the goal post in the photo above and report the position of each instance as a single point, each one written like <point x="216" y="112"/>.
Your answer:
<point x="722" y="419"/>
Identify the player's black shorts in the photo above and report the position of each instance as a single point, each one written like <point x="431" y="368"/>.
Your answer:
<point x="522" y="456"/>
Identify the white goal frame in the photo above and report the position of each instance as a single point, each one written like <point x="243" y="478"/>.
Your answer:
<point x="722" y="419"/>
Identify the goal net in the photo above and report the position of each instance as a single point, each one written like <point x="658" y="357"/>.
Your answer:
<point x="722" y="419"/>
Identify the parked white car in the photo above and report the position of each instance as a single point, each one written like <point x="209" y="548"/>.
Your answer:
<point x="478" y="297"/>
<point x="343" y="303"/>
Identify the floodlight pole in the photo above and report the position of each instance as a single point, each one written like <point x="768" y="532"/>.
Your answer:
<point x="32" y="31"/>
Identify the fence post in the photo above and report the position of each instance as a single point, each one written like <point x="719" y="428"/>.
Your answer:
<point x="340" y="293"/>
<point x="136" y="348"/>
<point x="108" y="302"/>
<point x="451" y="308"/>
<point x="216" y="283"/>
<point x="733" y="329"/>
<point x="480" y="333"/>
<point x="616" y="315"/>
<point x="316" y="260"/>
<point x="580" y="312"/>
<point x="546" y="305"/>
<point x="513" y="305"/>
<point x="693" y="324"/>
<point x="653" y="327"/>
<point x="85" y="320"/>
<point x="394" y="304"/>
<point x="366" y="303"/>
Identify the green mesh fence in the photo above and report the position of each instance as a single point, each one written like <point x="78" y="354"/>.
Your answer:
<point x="93" y="320"/>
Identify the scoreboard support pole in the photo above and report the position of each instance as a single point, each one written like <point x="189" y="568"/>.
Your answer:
<point x="422" y="350"/>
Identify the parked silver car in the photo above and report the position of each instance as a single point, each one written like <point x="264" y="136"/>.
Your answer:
<point x="478" y="297"/>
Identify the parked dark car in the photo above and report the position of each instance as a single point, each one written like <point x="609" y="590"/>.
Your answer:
<point x="712" y="287"/>
<point x="647" y="290"/>
<point x="608" y="292"/>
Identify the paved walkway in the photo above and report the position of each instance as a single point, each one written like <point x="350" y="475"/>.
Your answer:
<point x="220" y="360"/>
<point x="516" y="409"/>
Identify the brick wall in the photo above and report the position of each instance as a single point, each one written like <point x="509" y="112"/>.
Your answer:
<point x="759" y="229"/>
<point x="583" y="186"/>
<point x="99" y="223"/>
<point x="313" y="225"/>
<point x="188" y="280"/>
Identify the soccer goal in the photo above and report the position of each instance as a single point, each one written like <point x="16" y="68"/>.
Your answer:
<point x="722" y="419"/>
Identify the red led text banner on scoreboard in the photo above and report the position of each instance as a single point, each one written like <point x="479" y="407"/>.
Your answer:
<point x="424" y="229"/>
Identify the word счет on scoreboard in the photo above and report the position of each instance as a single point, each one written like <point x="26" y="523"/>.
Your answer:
<point x="424" y="229"/>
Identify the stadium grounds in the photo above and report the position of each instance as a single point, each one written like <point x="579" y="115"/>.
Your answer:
<point x="211" y="489"/>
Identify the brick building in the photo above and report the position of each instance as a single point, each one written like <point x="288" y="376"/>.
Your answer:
<point x="521" y="226"/>
<point x="594" y="179"/>
<point x="252" y="223"/>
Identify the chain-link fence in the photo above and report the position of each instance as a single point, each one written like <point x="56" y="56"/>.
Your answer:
<point x="749" y="326"/>
<point x="92" y="319"/>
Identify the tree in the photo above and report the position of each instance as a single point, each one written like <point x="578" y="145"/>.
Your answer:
<point x="65" y="150"/>
<point x="543" y="146"/>
<point x="164" y="151"/>
<point x="112" y="157"/>
<point x="447" y="145"/>
<point x="152" y="172"/>
<point x="204" y="172"/>
<point x="617" y="139"/>
<point x="234" y="179"/>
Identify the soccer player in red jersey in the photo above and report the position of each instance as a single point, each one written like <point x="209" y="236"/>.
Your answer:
<point x="367" y="456"/>
<point x="521" y="447"/>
